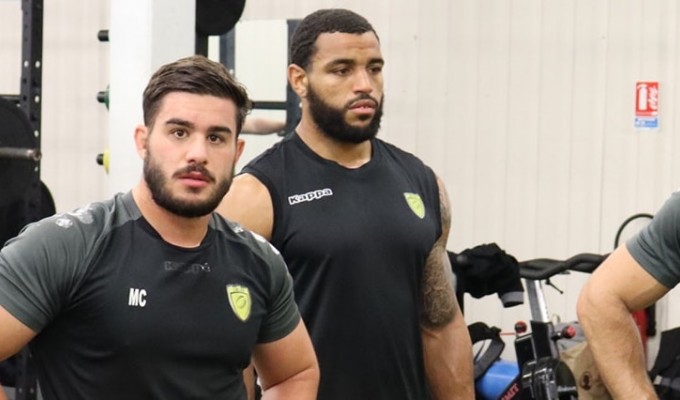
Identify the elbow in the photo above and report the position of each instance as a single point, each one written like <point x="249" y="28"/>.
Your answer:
<point x="586" y="307"/>
<point x="438" y="318"/>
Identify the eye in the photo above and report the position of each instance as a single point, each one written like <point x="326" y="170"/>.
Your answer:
<point x="375" y="69"/>
<point x="214" y="138"/>
<point x="342" y="71"/>
<point x="179" y="133"/>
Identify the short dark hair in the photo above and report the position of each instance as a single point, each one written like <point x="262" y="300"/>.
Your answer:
<point x="302" y="44"/>
<point x="197" y="75"/>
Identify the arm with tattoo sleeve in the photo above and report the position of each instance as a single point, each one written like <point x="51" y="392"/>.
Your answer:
<point x="446" y="342"/>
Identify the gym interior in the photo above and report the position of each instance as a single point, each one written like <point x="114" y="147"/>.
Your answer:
<point x="530" y="111"/>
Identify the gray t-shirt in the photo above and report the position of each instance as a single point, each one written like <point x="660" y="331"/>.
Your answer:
<point x="657" y="246"/>
<point x="122" y="314"/>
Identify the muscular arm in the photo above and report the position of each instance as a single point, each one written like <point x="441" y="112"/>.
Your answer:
<point x="446" y="342"/>
<point x="13" y="334"/>
<point x="248" y="203"/>
<point x="262" y="126"/>
<point x="618" y="287"/>
<point x="287" y="367"/>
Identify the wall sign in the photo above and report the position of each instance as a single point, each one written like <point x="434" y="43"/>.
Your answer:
<point x="647" y="105"/>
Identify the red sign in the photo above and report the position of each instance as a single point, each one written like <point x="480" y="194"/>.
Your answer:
<point x="647" y="99"/>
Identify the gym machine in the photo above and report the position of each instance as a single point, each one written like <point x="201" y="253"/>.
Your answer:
<point x="25" y="198"/>
<point x="292" y="103"/>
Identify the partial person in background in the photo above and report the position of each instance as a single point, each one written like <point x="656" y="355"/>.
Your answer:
<point x="262" y="126"/>
<point x="362" y="225"/>
<point x="634" y="276"/>
<point x="151" y="294"/>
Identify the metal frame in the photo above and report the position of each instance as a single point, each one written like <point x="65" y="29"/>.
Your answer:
<point x="292" y="103"/>
<point x="30" y="102"/>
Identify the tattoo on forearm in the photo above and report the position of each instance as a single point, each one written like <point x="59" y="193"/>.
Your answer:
<point x="439" y="301"/>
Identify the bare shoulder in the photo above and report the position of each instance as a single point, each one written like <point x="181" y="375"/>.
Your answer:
<point x="249" y="203"/>
<point x="439" y="301"/>
<point x="445" y="211"/>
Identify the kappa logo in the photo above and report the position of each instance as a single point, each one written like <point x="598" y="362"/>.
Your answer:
<point x="416" y="204"/>
<point x="309" y="196"/>
<point x="239" y="300"/>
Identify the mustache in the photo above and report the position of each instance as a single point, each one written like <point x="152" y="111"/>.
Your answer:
<point x="195" y="168"/>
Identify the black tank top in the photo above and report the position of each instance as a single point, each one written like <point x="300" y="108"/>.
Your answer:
<point x="355" y="241"/>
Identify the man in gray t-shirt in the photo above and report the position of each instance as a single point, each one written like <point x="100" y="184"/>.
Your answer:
<point x="633" y="277"/>
<point x="151" y="294"/>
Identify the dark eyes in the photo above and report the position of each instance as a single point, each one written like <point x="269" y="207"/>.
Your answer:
<point x="179" y="133"/>
<point x="373" y="69"/>
<point x="214" y="138"/>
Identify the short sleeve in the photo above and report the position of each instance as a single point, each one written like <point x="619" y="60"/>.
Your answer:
<point x="282" y="315"/>
<point x="657" y="246"/>
<point x="37" y="270"/>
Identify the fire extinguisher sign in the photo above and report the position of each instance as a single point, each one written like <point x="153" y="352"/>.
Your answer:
<point x="647" y="105"/>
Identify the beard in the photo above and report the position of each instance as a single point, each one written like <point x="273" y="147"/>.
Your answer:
<point x="163" y="196"/>
<point x="331" y="121"/>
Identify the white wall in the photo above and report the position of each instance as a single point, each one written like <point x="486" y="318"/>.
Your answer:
<point x="524" y="108"/>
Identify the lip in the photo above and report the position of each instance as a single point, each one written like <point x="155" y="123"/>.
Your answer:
<point x="363" y="104"/>
<point x="194" y="179"/>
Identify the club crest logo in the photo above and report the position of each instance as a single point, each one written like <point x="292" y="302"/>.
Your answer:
<point x="416" y="203"/>
<point x="239" y="300"/>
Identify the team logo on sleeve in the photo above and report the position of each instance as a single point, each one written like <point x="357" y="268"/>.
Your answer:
<point x="239" y="300"/>
<point x="416" y="203"/>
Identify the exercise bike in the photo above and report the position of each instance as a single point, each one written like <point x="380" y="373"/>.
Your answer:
<point x="541" y="375"/>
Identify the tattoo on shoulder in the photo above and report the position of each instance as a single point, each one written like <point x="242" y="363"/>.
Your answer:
<point x="439" y="299"/>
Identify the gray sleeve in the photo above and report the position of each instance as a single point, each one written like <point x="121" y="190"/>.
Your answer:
<point x="657" y="246"/>
<point x="37" y="269"/>
<point x="283" y="315"/>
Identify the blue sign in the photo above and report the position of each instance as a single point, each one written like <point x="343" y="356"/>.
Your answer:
<point x="647" y="122"/>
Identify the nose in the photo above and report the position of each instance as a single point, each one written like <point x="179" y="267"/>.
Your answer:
<point x="363" y="82"/>
<point x="197" y="150"/>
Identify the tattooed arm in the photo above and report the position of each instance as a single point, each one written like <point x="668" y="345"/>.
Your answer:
<point x="446" y="342"/>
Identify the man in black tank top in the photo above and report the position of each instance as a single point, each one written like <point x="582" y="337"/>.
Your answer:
<point x="152" y="295"/>
<point x="362" y="225"/>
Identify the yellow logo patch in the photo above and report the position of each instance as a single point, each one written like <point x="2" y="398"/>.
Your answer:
<point x="239" y="300"/>
<point x="416" y="203"/>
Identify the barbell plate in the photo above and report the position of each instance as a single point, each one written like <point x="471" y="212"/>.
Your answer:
<point x="15" y="132"/>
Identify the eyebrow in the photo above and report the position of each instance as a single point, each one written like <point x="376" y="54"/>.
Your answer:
<point x="191" y="125"/>
<point x="351" y="61"/>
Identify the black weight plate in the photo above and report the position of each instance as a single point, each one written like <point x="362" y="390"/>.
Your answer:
<point x="15" y="131"/>
<point x="217" y="17"/>
<point x="13" y="217"/>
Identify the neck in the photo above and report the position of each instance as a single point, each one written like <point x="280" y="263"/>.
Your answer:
<point x="174" y="229"/>
<point x="349" y="155"/>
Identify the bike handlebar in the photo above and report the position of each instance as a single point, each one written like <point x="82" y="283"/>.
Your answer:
<point x="585" y="262"/>
<point x="544" y="268"/>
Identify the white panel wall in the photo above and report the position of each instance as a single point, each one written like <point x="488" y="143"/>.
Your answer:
<point x="524" y="108"/>
<point x="144" y="35"/>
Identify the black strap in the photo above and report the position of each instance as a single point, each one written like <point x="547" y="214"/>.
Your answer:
<point x="479" y="331"/>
